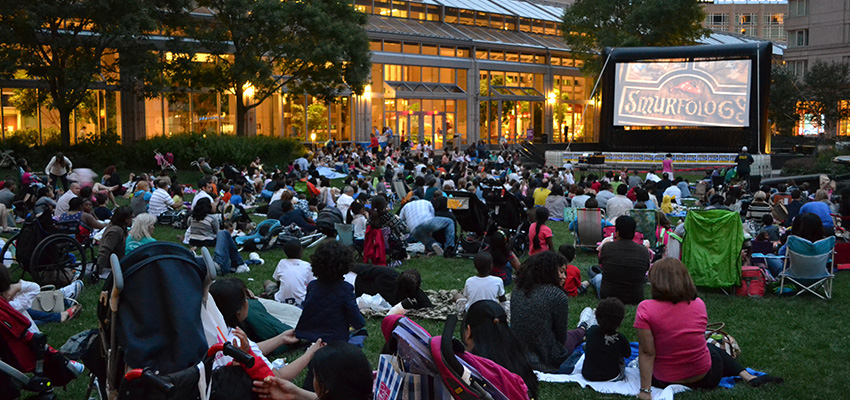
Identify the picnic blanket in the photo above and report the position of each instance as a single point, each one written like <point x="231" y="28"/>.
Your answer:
<point x="630" y="385"/>
<point x="329" y="173"/>
<point x="443" y="301"/>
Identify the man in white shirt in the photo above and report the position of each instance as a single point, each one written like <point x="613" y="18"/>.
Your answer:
<point x="160" y="199"/>
<point x="619" y="204"/>
<point x="344" y="201"/>
<point x="62" y="205"/>
<point x="293" y="275"/>
<point x="205" y="189"/>
<point x="416" y="212"/>
<point x="673" y="191"/>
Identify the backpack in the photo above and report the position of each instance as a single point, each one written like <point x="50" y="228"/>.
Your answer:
<point x="753" y="282"/>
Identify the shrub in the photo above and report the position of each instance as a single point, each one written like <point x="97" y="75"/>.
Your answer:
<point x="96" y="151"/>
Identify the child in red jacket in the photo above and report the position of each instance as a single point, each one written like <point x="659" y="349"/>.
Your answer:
<point x="574" y="286"/>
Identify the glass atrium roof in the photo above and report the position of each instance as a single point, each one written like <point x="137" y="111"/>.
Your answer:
<point x="518" y="8"/>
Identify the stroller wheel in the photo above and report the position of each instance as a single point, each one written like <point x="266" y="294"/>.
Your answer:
<point x="519" y="244"/>
<point x="57" y="259"/>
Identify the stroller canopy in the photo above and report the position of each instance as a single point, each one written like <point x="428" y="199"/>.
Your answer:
<point x="469" y="211"/>
<point x="159" y="310"/>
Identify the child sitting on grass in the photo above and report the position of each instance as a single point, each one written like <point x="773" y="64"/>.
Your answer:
<point x="574" y="286"/>
<point x="329" y="305"/>
<point x="769" y="231"/>
<point x="482" y="286"/>
<point x="292" y="274"/>
<point x="605" y="349"/>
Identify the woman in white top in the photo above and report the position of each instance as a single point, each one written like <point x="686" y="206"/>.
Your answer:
<point x="58" y="169"/>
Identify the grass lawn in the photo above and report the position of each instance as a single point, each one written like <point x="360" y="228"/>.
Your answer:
<point x="802" y="339"/>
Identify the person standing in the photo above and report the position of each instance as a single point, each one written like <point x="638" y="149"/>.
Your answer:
<point x="667" y="166"/>
<point x="58" y="169"/>
<point x="744" y="160"/>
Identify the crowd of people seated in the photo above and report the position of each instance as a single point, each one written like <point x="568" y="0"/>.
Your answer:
<point x="396" y="198"/>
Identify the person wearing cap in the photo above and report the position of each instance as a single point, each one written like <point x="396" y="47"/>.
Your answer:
<point x="744" y="160"/>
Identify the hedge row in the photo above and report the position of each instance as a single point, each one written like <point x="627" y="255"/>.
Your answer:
<point x="99" y="151"/>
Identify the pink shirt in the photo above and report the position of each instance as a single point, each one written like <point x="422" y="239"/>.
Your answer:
<point x="545" y="232"/>
<point x="667" y="165"/>
<point x="679" y="334"/>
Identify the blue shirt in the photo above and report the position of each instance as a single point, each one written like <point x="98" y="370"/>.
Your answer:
<point x="329" y="309"/>
<point x="820" y="209"/>
<point x="236" y="199"/>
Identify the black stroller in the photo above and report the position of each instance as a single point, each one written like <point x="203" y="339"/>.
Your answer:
<point x="509" y="214"/>
<point x="151" y="325"/>
<point x="232" y="174"/>
<point x="472" y="216"/>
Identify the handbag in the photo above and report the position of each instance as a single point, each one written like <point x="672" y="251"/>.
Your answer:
<point x="49" y="300"/>
<point x="715" y="335"/>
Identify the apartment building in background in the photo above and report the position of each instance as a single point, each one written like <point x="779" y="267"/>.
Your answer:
<point x="818" y="30"/>
<point x="763" y="19"/>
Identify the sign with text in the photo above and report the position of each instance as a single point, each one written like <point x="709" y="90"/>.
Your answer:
<point x="687" y="93"/>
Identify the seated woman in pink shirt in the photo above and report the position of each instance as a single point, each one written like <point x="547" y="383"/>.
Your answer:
<point x="671" y="335"/>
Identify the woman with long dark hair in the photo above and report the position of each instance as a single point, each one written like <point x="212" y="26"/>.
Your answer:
<point x="486" y="333"/>
<point x="540" y="312"/>
<point x="203" y="226"/>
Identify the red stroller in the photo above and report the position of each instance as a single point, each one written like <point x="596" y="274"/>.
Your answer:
<point x="22" y="352"/>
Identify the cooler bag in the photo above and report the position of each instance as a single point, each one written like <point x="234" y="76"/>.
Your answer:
<point x="753" y="282"/>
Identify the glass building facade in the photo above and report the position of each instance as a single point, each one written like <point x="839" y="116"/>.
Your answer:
<point x="449" y="72"/>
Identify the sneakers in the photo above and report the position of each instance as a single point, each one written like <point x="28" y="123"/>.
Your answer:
<point x="255" y="257"/>
<point x="242" y="268"/>
<point x="437" y="249"/>
<point x="587" y="318"/>
<point x="73" y="290"/>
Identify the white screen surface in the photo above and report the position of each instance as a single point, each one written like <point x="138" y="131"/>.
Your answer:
<point x="697" y="93"/>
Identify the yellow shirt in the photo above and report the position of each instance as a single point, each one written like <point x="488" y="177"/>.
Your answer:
<point x="540" y="195"/>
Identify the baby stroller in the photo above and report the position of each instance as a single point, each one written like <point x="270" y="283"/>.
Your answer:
<point x="22" y="352"/>
<point x="178" y="219"/>
<point x="473" y="218"/>
<point x="443" y="357"/>
<point x="155" y="342"/>
<point x="263" y="237"/>
<point x="231" y="174"/>
<point x="48" y="250"/>
<point x="509" y="214"/>
<point x="164" y="161"/>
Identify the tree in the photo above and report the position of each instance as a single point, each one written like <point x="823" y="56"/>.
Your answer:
<point x="71" y="44"/>
<point x="591" y="25"/>
<point x="784" y="96"/>
<point x="826" y="94"/>
<point x="260" y="47"/>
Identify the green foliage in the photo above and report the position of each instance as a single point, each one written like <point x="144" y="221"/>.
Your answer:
<point x="52" y="41"/>
<point x="817" y="164"/>
<point x="591" y="25"/>
<point x="97" y="151"/>
<point x="219" y="149"/>
<point x="827" y="87"/>
<point x="318" y="47"/>
<point x="784" y="96"/>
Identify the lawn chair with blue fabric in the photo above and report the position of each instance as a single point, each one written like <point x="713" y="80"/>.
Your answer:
<point x="809" y="266"/>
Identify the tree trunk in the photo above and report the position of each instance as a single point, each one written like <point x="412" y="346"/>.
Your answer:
<point x="241" y="112"/>
<point x="65" y="127"/>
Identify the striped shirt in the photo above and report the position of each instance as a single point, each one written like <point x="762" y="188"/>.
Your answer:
<point x="160" y="200"/>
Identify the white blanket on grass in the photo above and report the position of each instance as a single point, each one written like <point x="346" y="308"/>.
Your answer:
<point x="630" y="386"/>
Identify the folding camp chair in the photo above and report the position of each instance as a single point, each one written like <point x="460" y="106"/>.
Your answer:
<point x="673" y="248"/>
<point x="646" y="224"/>
<point x="809" y="265"/>
<point x="588" y="228"/>
<point x="345" y="235"/>
<point x="712" y="247"/>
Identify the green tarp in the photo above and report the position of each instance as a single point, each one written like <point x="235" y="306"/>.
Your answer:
<point x="712" y="248"/>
